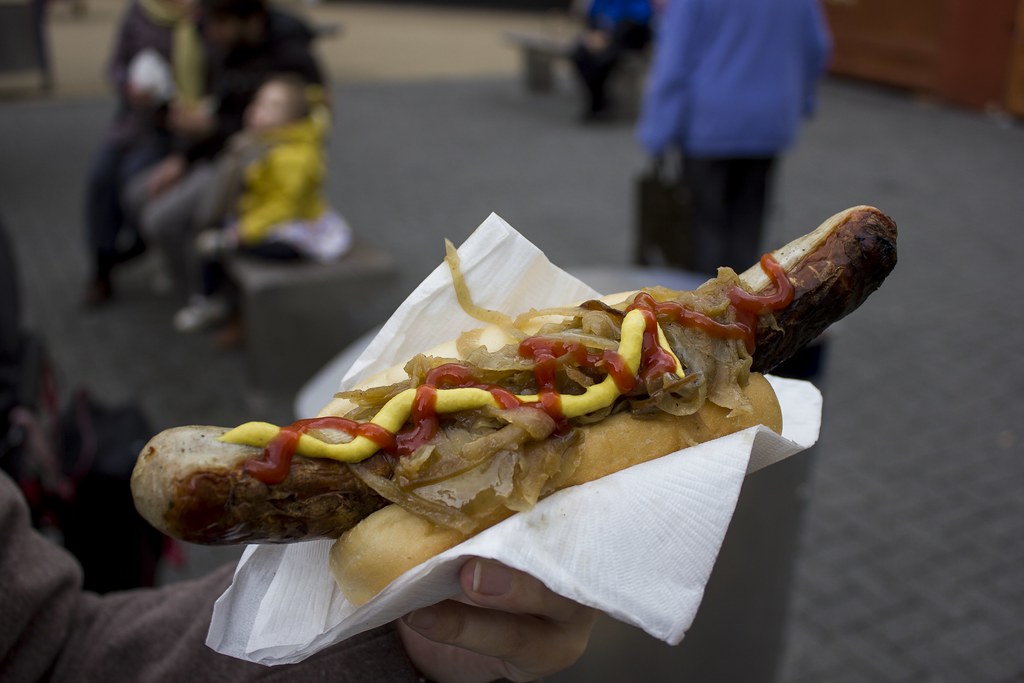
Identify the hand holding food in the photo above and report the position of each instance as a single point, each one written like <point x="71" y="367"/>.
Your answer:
<point x="505" y="625"/>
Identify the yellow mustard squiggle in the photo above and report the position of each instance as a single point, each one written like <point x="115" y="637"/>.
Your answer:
<point x="394" y="414"/>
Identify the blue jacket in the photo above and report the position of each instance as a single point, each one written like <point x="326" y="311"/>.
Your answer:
<point x="607" y="14"/>
<point x="733" y="78"/>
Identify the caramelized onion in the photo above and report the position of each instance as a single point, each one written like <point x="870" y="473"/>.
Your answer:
<point x="672" y="394"/>
<point x="437" y="513"/>
<point x="563" y="314"/>
<point x="499" y="473"/>
<point x="486" y="463"/>
<point x="465" y="299"/>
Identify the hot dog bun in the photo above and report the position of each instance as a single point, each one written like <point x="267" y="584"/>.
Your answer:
<point x="393" y="540"/>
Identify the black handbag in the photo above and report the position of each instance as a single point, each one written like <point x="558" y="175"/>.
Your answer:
<point x="663" y="207"/>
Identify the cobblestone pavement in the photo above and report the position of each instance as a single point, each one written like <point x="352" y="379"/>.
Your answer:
<point x="911" y="565"/>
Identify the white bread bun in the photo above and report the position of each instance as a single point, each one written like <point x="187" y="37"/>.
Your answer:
<point x="393" y="540"/>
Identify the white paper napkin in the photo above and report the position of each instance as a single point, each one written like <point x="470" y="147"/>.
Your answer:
<point x="504" y="272"/>
<point x="638" y="545"/>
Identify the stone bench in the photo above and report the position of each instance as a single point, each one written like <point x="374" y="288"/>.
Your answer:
<point x="540" y="53"/>
<point x="296" y="316"/>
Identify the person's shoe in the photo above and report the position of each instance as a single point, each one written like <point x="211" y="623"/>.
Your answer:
<point x="137" y="249"/>
<point x="201" y="313"/>
<point x="603" y="114"/>
<point x="97" y="292"/>
<point x="231" y="336"/>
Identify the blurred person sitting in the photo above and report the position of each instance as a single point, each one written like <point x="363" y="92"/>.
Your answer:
<point x="266" y="195"/>
<point x="158" y="61"/>
<point x="249" y="42"/>
<point x="614" y="27"/>
<point x="730" y="83"/>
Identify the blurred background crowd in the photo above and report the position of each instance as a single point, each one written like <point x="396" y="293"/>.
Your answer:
<point x="206" y="207"/>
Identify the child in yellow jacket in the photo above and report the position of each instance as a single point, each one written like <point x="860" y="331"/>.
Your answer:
<point x="268" y="194"/>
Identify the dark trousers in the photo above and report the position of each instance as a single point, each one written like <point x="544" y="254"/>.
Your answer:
<point x="729" y="202"/>
<point x="595" y="67"/>
<point x="105" y="220"/>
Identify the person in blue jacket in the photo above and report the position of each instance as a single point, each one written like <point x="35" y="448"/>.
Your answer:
<point x="614" y="27"/>
<point x="730" y="84"/>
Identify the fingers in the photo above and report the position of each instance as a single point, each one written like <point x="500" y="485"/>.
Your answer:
<point x="493" y="585"/>
<point x="514" y="625"/>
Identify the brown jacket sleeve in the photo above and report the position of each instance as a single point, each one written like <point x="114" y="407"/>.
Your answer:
<point x="52" y="630"/>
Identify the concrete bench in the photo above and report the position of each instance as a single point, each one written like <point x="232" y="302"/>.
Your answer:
<point x="296" y="316"/>
<point x="540" y="53"/>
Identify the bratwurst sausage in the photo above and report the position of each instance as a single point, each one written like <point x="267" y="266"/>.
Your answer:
<point x="195" y="487"/>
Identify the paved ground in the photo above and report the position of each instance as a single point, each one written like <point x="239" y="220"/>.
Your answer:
<point x="911" y="561"/>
